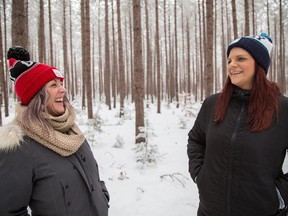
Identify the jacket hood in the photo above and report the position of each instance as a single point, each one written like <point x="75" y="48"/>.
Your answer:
<point x="10" y="137"/>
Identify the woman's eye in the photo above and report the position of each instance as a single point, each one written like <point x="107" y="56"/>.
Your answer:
<point x="241" y="59"/>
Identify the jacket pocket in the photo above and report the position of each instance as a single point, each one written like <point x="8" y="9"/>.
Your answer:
<point x="104" y="190"/>
<point x="198" y="177"/>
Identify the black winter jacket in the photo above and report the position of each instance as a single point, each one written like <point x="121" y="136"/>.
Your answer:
<point x="51" y="185"/>
<point x="238" y="171"/>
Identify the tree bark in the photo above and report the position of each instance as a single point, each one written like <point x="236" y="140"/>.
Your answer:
<point x="107" y="74"/>
<point x="122" y="85"/>
<point x="234" y="17"/>
<point x="19" y="23"/>
<point x="4" y="78"/>
<point x="2" y="74"/>
<point x="87" y="61"/>
<point x="176" y="55"/>
<point x="209" y="73"/>
<point x="65" y="51"/>
<point x="114" y="70"/>
<point x="158" y="60"/>
<point x="51" y="59"/>
<point x="41" y="34"/>
<point x="138" y="70"/>
<point x="247" y="22"/>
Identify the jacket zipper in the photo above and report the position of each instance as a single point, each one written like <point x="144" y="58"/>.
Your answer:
<point x="230" y="159"/>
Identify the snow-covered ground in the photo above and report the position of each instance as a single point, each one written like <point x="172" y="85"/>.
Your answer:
<point x="137" y="189"/>
<point x="164" y="188"/>
<point x="158" y="189"/>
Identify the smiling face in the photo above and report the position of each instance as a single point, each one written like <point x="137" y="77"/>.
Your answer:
<point x="241" y="68"/>
<point x="56" y="93"/>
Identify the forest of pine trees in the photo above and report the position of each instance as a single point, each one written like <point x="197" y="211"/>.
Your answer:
<point x="139" y="51"/>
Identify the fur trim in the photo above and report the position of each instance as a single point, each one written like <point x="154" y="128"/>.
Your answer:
<point x="10" y="137"/>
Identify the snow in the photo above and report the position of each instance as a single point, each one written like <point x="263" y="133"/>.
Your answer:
<point x="164" y="188"/>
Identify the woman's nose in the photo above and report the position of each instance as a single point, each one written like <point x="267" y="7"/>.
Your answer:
<point x="233" y="62"/>
<point x="62" y="89"/>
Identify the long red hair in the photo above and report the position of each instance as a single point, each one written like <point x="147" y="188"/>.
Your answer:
<point x="263" y="101"/>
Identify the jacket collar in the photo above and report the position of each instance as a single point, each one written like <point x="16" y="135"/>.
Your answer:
<point x="241" y="94"/>
<point x="11" y="136"/>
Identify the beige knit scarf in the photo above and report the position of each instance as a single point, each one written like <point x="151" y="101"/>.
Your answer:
<point x="65" y="139"/>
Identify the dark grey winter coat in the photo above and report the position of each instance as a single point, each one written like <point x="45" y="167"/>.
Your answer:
<point x="51" y="185"/>
<point x="238" y="171"/>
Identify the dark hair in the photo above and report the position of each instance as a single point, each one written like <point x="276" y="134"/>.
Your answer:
<point x="263" y="101"/>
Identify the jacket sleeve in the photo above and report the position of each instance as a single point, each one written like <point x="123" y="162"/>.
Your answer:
<point x="94" y="165"/>
<point x="104" y="190"/>
<point x="282" y="185"/>
<point x="197" y="143"/>
<point x="282" y="178"/>
<point x="15" y="183"/>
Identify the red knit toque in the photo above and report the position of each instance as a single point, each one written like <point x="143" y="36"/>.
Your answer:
<point x="30" y="77"/>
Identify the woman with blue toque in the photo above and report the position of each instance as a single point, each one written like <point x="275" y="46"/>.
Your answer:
<point x="238" y="143"/>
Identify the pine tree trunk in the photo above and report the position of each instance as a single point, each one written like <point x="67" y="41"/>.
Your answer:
<point x="4" y="78"/>
<point x="19" y="23"/>
<point x="41" y="34"/>
<point x="149" y="94"/>
<point x="209" y="74"/>
<point x="2" y="75"/>
<point x="158" y="60"/>
<point x="234" y="16"/>
<point x="166" y="56"/>
<point x="114" y="71"/>
<point x="72" y="71"/>
<point x="281" y="69"/>
<point x="87" y="62"/>
<point x="101" y="88"/>
<point x="65" y="54"/>
<point x="247" y="22"/>
<point x="107" y="74"/>
<point x="122" y="85"/>
<point x="138" y="70"/>
<point x="83" y="53"/>
<point x="176" y="56"/>
<point x="50" y="61"/>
